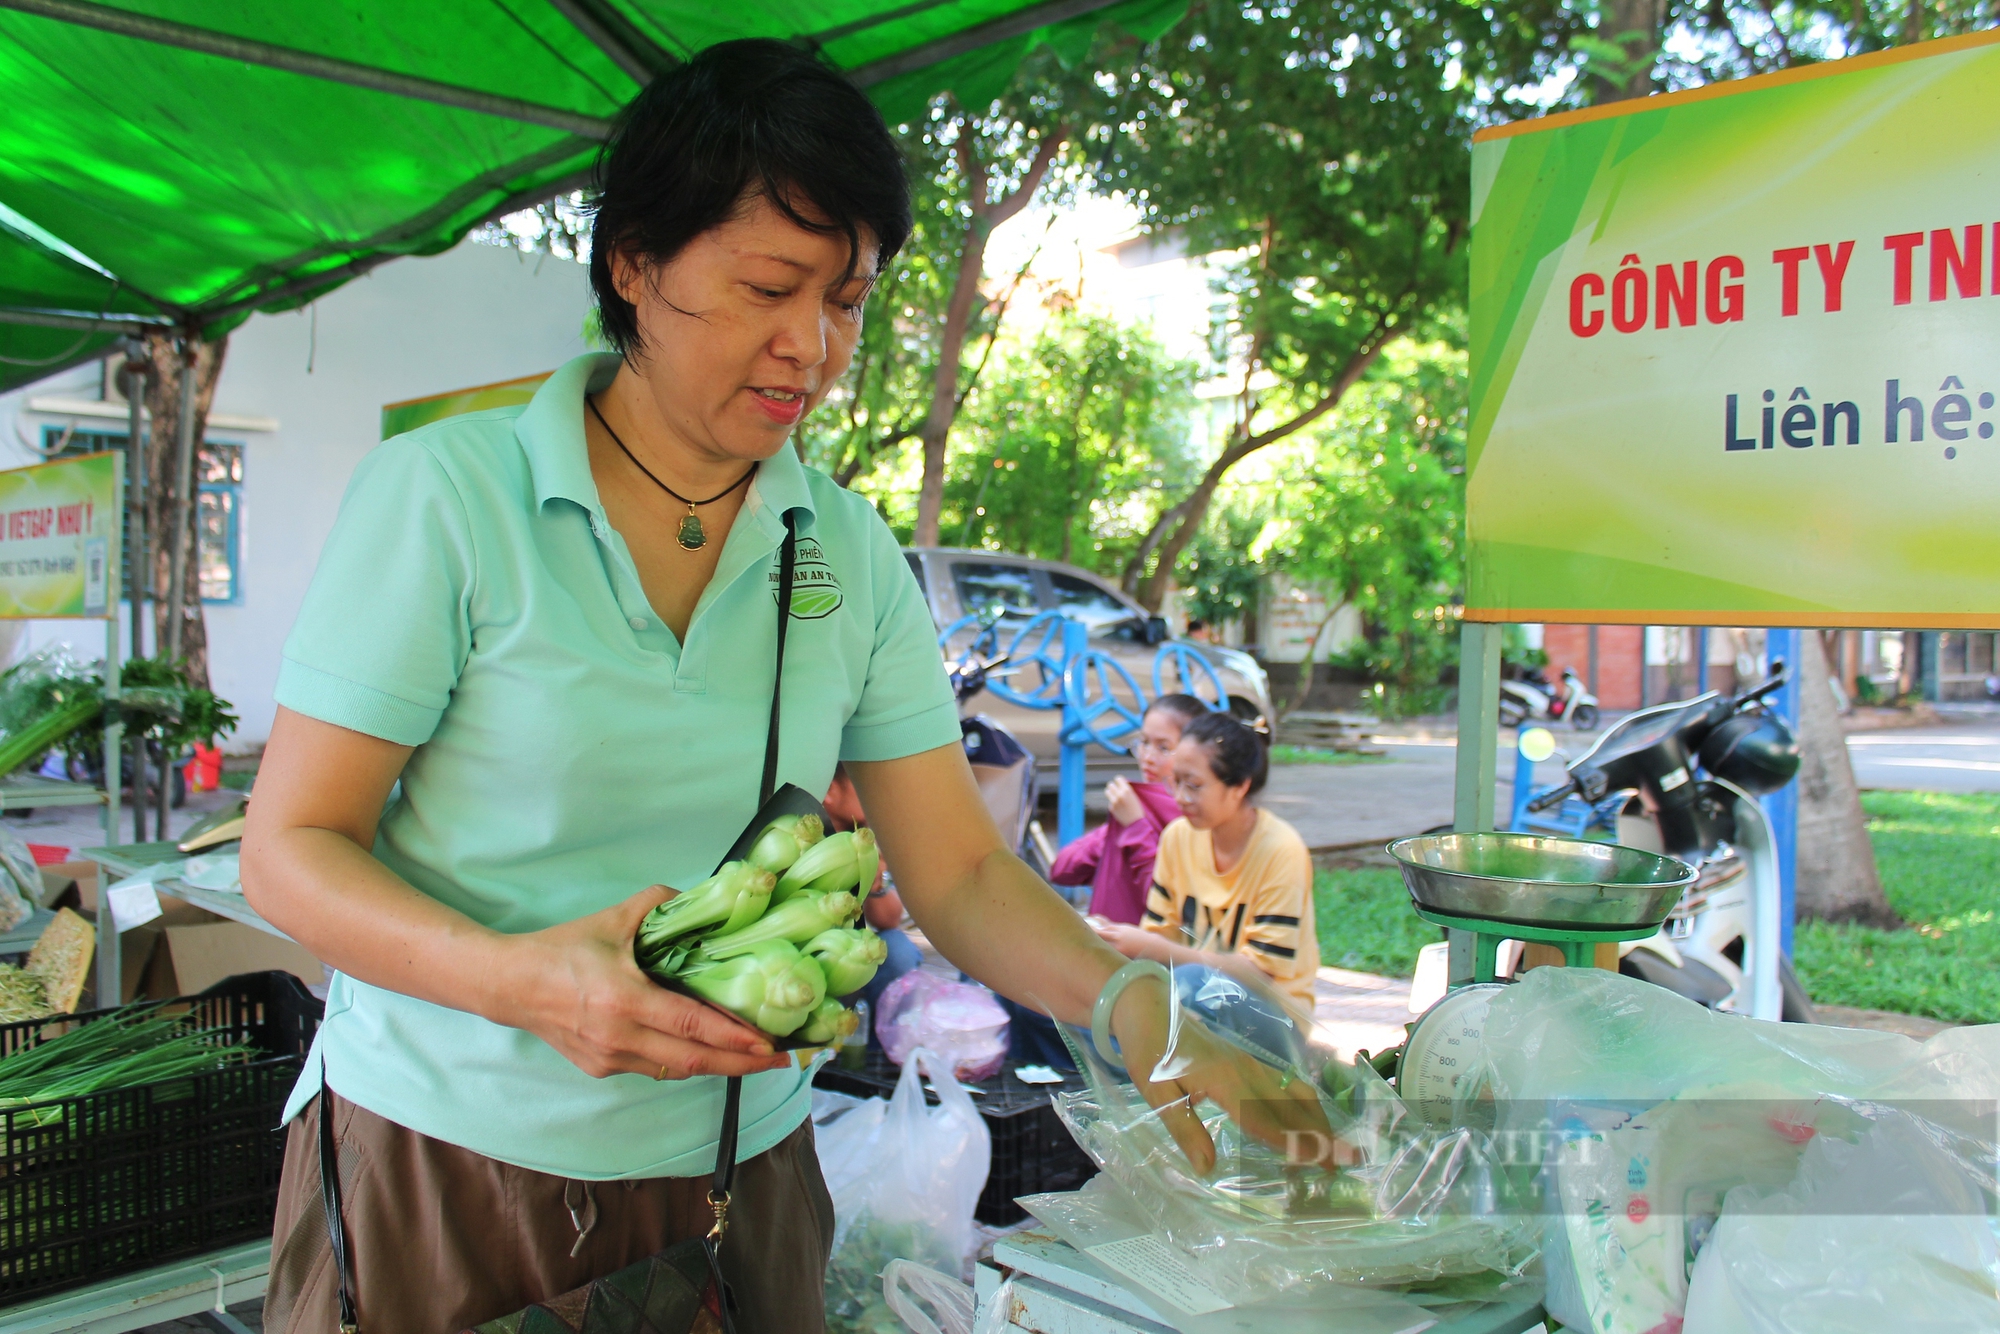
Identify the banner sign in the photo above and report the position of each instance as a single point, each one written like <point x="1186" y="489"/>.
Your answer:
<point x="60" y="526"/>
<point x="1735" y="352"/>
<point x="397" y="418"/>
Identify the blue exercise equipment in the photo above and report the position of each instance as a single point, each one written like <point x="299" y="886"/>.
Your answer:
<point x="1039" y="644"/>
<point x="1184" y="661"/>
<point x="1107" y="674"/>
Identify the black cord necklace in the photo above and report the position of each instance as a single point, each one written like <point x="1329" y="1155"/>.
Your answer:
<point x="692" y="536"/>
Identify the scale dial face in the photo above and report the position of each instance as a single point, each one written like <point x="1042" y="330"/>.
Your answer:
<point x="1443" y="1053"/>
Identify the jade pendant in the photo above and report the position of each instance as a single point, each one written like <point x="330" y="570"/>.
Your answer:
<point x="692" y="538"/>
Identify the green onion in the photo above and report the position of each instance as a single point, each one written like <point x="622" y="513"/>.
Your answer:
<point x="120" y="1052"/>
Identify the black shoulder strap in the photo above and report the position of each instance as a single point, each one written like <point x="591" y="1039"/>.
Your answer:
<point x="329" y="1198"/>
<point x="732" y="1098"/>
<point x="787" y="555"/>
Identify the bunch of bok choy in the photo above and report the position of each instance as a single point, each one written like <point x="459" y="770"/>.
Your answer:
<point x="771" y="938"/>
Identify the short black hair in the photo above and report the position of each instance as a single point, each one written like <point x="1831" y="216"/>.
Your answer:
<point x="1236" y="752"/>
<point x="744" y="118"/>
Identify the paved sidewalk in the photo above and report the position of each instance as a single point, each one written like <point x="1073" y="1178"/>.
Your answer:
<point x="1360" y="1011"/>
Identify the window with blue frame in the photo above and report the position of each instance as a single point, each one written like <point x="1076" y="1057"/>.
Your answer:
<point x="219" y="511"/>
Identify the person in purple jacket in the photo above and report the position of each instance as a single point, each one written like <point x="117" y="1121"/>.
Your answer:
<point x="1116" y="858"/>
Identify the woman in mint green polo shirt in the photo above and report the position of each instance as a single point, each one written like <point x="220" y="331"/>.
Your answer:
<point x="556" y="627"/>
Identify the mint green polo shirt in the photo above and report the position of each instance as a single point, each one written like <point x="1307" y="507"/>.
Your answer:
<point x="474" y="602"/>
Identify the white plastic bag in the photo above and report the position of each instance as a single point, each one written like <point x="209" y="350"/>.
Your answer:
<point x="915" y="1292"/>
<point x="21" y="885"/>
<point x="905" y="1178"/>
<point x="956" y="1019"/>
<point x="1889" y="1233"/>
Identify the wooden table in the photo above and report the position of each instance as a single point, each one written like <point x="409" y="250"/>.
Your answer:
<point x="202" y="1287"/>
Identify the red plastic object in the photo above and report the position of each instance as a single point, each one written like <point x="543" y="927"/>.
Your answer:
<point x="204" y="771"/>
<point x="48" y="854"/>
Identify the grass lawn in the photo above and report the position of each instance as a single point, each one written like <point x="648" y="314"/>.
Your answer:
<point x="1940" y="859"/>
<point x="1939" y="854"/>
<point x="1314" y="755"/>
<point x="1365" y="923"/>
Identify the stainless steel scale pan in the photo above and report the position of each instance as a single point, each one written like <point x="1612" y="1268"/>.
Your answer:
<point x="1538" y="881"/>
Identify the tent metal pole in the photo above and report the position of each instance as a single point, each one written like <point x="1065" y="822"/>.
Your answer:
<point x="183" y="477"/>
<point x="164" y="32"/>
<point x="135" y="561"/>
<point x="77" y="319"/>
<point x="627" y="47"/>
<point x="944" y="48"/>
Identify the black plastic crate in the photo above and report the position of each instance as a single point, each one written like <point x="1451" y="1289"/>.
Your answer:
<point x="129" y="1178"/>
<point x="1033" y="1152"/>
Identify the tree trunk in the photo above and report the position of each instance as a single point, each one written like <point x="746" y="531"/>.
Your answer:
<point x="1837" y="880"/>
<point x="1634" y="26"/>
<point x="945" y="398"/>
<point x="163" y="484"/>
<point x="1306" y="664"/>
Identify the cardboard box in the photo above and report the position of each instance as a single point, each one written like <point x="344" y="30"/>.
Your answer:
<point x="70" y="885"/>
<point x="194" y="958"/>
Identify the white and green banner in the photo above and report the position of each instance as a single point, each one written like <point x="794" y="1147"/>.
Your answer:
<point x="59" y="531"/>
<point x="1735" y="352"/>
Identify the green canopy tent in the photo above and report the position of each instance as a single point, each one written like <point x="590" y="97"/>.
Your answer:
<point x="187" y="162"/>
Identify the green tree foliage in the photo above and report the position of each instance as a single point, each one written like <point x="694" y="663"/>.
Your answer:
<point x="1222" y="572"/>
<point x="1069" y="442"/>
<point x="1324" y="145"/>
<point x="1640" y="46"/>
<point x="1374" y="514"/>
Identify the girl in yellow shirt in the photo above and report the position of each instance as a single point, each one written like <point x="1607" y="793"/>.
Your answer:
<point x="1232" y="886"/>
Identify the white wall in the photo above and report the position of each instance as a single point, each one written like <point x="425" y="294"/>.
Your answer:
<point x="414" y="327"/>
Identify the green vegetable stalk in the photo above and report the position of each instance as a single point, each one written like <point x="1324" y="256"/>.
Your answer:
<point x="782" y="842"/>
<point x="795" y="921"/>
<point x="771" y="986"/>
<point x="850" y="957"/>
<point x="846" y="860"/>
<point x="732" y="898"/>
<point x="832" y="1022"/>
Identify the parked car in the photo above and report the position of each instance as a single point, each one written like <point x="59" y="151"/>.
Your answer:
<point x="1007" y="591"/>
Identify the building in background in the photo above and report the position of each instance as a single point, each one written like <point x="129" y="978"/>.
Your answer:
<point x="299" y="403"/>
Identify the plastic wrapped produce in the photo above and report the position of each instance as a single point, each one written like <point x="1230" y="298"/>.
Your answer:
<point x="960" y="1020"/>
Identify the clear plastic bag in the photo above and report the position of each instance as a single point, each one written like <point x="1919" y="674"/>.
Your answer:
<point x="904" y="1178"/>
<point x="956" y="1019"/>
<point x="1423" y="1205"/>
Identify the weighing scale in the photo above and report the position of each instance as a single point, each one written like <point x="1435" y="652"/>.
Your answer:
<point x="1564" y="892"/>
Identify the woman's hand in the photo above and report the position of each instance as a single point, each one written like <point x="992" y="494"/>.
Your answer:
<point x="1124" y="802"/>
<point x="1277" y="1107"/>
<point x="577" y="987"/>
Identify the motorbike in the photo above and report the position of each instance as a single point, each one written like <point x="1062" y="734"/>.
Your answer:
<point x="1533" y="699"/>
<point x="1695" y="770"/>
